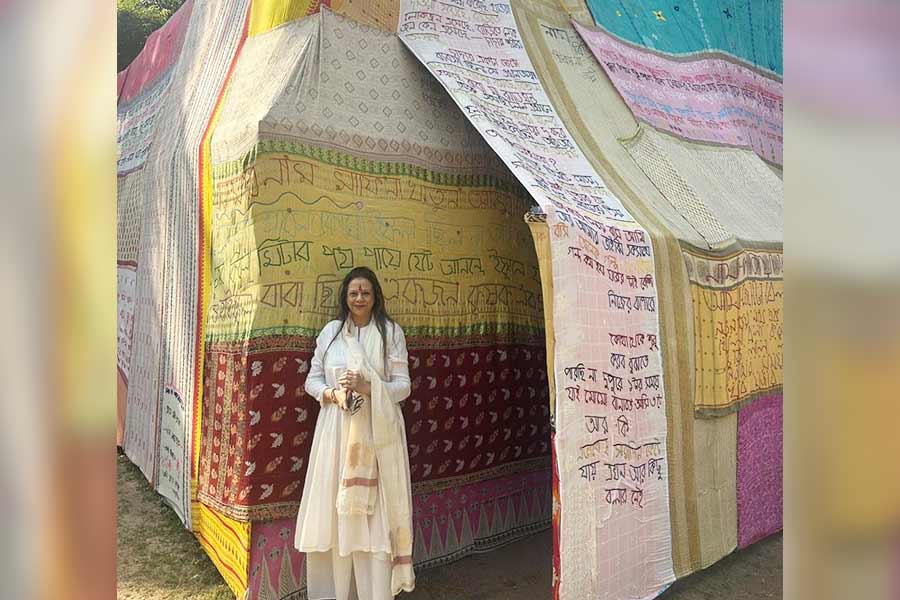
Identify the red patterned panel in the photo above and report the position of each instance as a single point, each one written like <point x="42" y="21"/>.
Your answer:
<point x="474" y="414"/>
<point x="258" y="424"/>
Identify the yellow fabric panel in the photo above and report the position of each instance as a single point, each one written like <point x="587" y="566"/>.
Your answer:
<point x="541" y="234"/>
<point x="227" y="542"/>
<point x="738" y="330"/>
<point x="266" y="15"/>
<point x="287" y="228"/>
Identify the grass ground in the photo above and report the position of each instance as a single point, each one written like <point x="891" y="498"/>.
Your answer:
<point x="159" y="560"/>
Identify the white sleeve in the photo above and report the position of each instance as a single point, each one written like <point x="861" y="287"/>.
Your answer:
<point x="315" y="380"/>
<point x="399" y="384"/>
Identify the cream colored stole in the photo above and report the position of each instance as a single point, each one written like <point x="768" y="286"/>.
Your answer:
<point x="386" y="422"/>
<point x="359" y="479"/>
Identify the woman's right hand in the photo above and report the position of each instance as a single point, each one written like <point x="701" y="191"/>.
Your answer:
<point x="337" y="396"/>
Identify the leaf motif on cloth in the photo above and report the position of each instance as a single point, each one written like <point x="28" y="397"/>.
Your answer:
<point x="279" y="414"/>
<point x="297" y="464"/>
<point x="256" y="367"/>
<point x="254" y="441"/>
<point x="279" y="364"/>
<point x="277" y="439"/>
<point x="300" y="438"/>
<point x="302" y="365"/>
<point x="301" y="414"/>
<point x="244" y="493"/>
<point x="251" y="466"/>
<point x="273" y="464"/>
<point x="267" y="490"/>
<point x="287" y="491"/>
<point x="279" y="389"/>
<point x="255" y="391"/>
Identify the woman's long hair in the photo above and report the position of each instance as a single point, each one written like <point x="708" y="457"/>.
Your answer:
<point x="379" y="312"/>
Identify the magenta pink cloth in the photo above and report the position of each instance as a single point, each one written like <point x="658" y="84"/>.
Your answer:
<point x="438" y="510"/>
<point x="709" y="98"/>
<point x="760" y="469"/>
<point x="160" y="51"/>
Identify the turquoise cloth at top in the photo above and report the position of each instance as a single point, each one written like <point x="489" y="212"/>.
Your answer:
<point x="750" y="30"/>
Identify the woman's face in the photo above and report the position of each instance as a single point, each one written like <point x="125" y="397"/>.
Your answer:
<point x="360" y="299"/>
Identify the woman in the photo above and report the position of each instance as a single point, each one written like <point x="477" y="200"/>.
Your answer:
<point x="355" y="518"/>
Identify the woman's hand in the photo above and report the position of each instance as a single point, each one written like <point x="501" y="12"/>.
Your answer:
<point x="353" y="380"/>
<point x="336" y="396"/>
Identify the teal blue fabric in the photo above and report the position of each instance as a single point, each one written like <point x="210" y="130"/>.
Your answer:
<point x="750" y="30"/>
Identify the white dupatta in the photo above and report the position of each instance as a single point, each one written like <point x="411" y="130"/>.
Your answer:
<point x="389" y="440"/>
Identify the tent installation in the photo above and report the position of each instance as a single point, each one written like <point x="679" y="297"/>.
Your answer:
<point x="613" y="365"/>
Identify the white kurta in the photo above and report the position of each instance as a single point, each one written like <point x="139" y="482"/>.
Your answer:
<point x="335" y="543"/>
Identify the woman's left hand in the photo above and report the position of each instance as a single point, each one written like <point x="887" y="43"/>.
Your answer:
<point x="353" y="380"/>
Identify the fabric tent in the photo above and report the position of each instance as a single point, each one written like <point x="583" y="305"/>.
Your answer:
<point x="281" y="143"/>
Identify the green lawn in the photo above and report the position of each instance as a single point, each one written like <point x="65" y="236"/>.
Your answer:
<point x="157" y="558"/>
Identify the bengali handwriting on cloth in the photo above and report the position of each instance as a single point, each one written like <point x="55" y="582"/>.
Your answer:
<point x="708" y="98"/>
<point x="398" y="181"/>
<point x="738" y="305"/>
<point x="162" y="421"/>
<point x="611" y="424"/>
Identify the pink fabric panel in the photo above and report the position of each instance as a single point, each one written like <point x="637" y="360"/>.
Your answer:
<point x="708" y="99"/>
<point x="760" y="469"/>
<point x="160" y="50"/>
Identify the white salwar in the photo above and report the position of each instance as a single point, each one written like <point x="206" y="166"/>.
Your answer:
<point x="348" y="555"/>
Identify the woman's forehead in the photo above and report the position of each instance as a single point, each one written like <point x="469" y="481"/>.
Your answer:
<point x="360" y="284"/>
